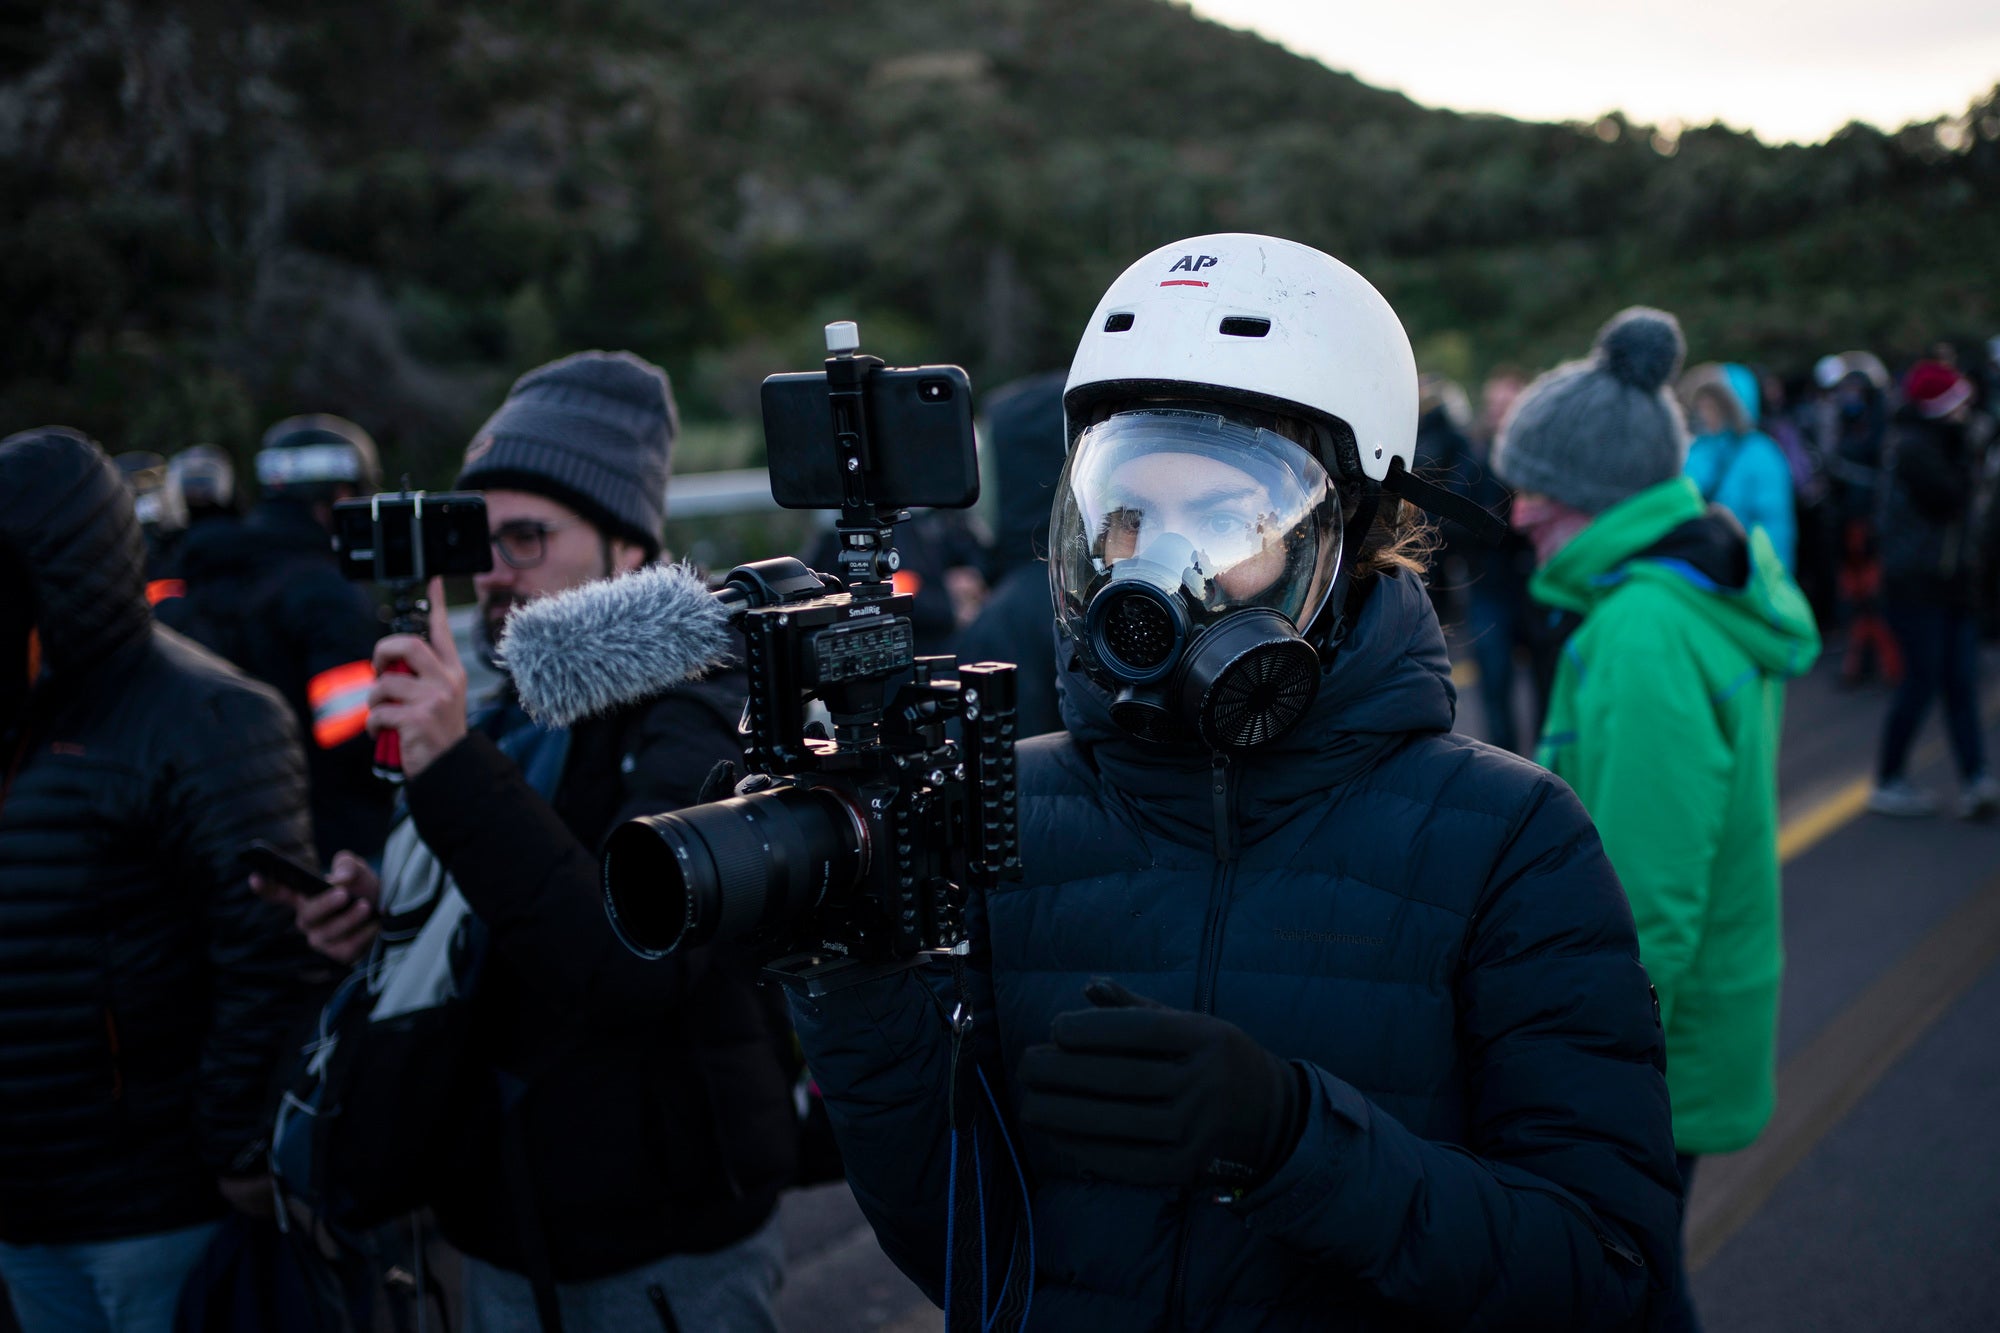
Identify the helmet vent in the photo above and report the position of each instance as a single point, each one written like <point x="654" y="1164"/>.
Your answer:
<point x="1119" y="322"/>
<point x="1238" y="326"/>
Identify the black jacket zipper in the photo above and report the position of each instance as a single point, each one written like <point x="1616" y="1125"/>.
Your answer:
<point x="1223" y="805"/>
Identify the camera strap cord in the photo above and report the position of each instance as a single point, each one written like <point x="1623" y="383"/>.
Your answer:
<point x="970" y="1303"/>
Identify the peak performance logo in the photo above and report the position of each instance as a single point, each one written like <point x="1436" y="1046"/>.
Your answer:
<point x="1190" y="264"/>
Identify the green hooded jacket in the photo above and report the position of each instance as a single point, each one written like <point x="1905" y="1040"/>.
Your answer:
<point x="1665" y="720"/>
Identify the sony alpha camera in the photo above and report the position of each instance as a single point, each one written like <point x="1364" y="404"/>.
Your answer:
<point x="865" y="822"/>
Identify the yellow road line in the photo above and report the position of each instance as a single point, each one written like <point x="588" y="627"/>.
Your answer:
<point x="1807" y="830"/>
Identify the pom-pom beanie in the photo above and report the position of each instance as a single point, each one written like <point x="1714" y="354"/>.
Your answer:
<point x="1591" y="433"/>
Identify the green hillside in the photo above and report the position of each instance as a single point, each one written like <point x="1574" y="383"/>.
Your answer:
<point x="212" y="213"/>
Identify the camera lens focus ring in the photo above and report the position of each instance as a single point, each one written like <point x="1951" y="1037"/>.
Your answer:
<point x="748" y="865"/>
<point x="741" y="853"/>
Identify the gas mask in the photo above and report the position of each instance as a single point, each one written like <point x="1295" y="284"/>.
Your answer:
<point x="1188" y="551"/>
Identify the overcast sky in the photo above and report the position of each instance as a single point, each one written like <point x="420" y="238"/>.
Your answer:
<point x="1787" y="70"/>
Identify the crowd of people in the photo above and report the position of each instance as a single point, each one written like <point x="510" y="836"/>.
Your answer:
<point x="1353" y="1022"/>
<point x="1878" y="495"/>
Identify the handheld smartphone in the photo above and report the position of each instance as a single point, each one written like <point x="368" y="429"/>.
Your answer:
<point x="919" y="432"/>
<point x="410" y="536"/>
<point x="272" y="864"/>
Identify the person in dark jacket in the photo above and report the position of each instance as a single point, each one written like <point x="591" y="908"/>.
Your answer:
<point x="1929" y="582"/>
<point x="1444" y="455"/>
<point x="1017" y="623"/>
<point x="658" y="1125"/>
<point x="267" y="594"/>
<point x="1854" y="427"/>
<point x="147" y="992"/>
<point x="1305" y="1013"/>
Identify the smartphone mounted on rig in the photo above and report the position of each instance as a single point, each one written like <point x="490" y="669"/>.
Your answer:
<point x="918" y="448"/>
<point x="851" y="851"/>
<point x="401" y="540"/>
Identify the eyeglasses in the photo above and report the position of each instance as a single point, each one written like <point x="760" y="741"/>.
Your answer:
<point x="524" y="543"/>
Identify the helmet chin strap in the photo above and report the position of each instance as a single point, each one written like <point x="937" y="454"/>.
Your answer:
<point x="1343" y="605"/>
<point x="1486" y="528"/>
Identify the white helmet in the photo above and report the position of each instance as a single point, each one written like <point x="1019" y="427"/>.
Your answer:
<point x="1265" y="323"/>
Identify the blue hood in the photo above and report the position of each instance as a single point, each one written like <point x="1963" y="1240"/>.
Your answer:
<point x="1391" y="679"/>
<point x="1743" y="383"/>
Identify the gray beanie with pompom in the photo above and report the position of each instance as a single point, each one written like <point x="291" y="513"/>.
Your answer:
<point x="1591" y="433"/>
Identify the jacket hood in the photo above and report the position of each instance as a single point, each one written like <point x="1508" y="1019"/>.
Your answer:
<point x="64" y="507"/>
<point x="1667" y="536"/>
<point x="1737" y="391"/>
<point x="1391" y="679"/>
<point x="1743" y="383"/>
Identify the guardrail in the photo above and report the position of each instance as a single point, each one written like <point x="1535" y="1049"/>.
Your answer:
<point x="710" y="494"/>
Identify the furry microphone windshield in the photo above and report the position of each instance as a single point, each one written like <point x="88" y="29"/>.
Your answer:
<point x="584" y="652"/>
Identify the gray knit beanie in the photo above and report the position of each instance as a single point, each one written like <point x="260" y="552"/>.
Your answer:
<point x="1591" y="433"/>
<point x="594" y="431"/>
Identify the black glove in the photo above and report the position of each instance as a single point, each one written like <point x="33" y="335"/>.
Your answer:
<point x="720" y="782"/>
<point x="1141" y="1094"/>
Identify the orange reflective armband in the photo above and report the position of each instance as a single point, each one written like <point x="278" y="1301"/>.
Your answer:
<point x="339" y="699"/>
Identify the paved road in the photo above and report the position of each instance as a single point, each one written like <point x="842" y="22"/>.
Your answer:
<point x="1880" y="1207"/>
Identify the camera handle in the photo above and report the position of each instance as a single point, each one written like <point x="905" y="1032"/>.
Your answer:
<point x="410" y="613"/>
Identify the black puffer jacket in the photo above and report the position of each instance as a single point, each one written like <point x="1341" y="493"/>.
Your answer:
<point x="144" y="993"/>
<point x="1425" y="927"/>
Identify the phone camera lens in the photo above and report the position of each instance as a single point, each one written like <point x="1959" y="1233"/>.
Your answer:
<point x="934" y="391"/>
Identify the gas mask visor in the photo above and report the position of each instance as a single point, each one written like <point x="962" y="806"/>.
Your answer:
<point x="1187" y="552"/>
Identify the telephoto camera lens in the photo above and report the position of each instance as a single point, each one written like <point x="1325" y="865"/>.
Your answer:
<point x="733" y="868"/>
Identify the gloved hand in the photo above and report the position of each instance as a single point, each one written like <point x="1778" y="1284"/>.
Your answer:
<point x="1134" y="1092"/>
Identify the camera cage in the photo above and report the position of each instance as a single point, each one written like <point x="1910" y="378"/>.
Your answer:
<point x="937" y="812"/>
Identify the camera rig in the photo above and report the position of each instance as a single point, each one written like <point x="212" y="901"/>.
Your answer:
<point x="848" y="853"/>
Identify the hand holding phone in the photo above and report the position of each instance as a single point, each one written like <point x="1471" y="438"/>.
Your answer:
<point x="339" y="921"/>
<point x="262" y="859"/>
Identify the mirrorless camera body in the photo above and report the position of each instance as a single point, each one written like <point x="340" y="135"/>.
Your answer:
<point x="853" y="845"/>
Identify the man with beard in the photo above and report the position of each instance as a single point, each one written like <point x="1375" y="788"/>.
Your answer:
<point x="648" y="1128"/>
